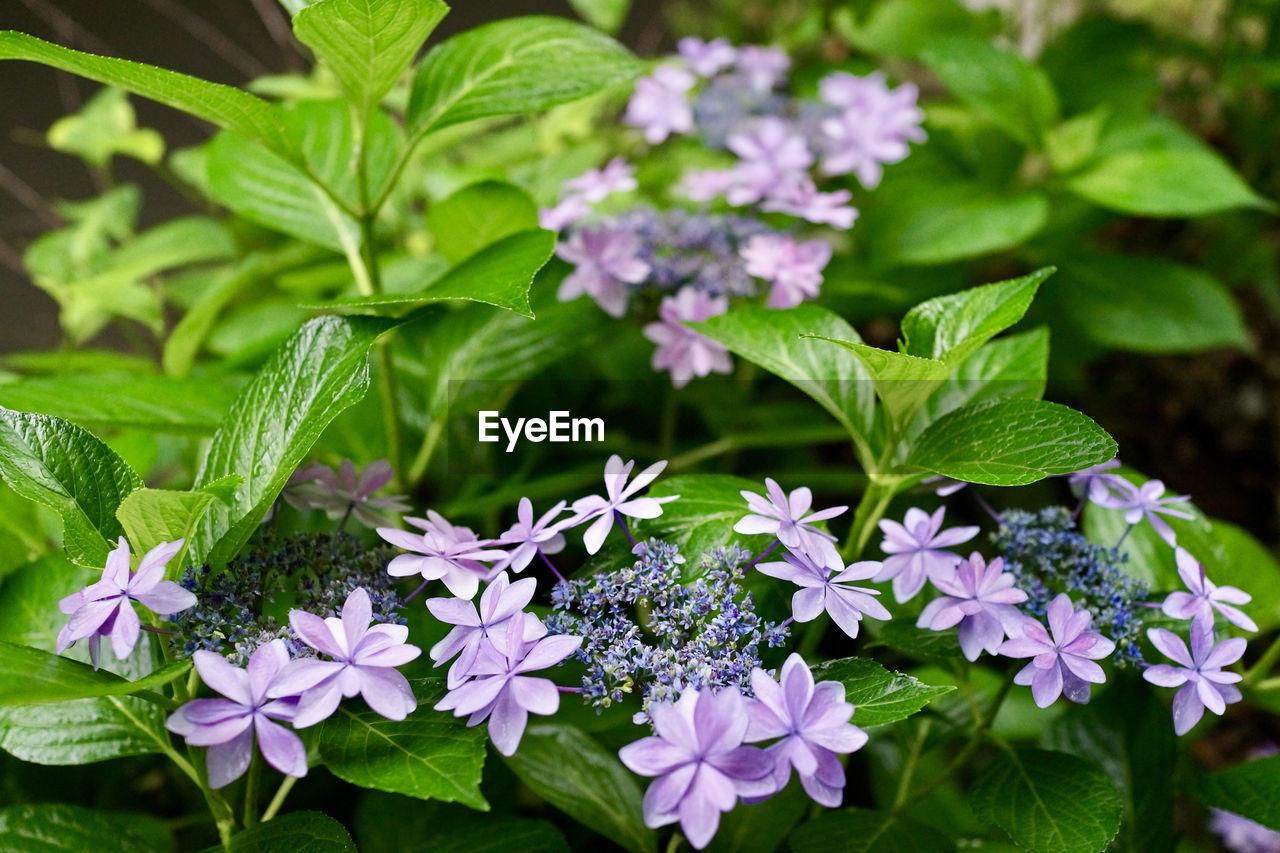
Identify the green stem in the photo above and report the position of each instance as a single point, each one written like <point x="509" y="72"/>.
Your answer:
<point x="1268" y="684"/>
<point x="909" y="765"/>
<point x="277" y="801"/>
<point x="389" y="391"/>
<point x="251" y="791"/>
<point x="1262" y="667"/>
<point x="418" y="469"/>
<point x="875" y="500"/>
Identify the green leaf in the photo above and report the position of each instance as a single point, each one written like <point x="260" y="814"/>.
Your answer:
<point x="1158" y="168"/>
<point x="905" y="27"/>
<point x="498" y="275"/>
<point x="902" y="382"/>
<point x="574" y="773"/>
<point x="478" y="215"/>
<point x="1001" y="86"/>
<point x="1048" y="801"/>
<point x="919" y="220"/>
<point x="63" y="828"/>
<point x="879" y="696"/>
<point x="225" y="106"/>
<point x="296" y="832"/>
<point x="497" y="835"/>
<point x="1146" y="304"/>
<point x="429" y="755"/>
<point x="1011" y="443"/>
<point x="607" y="15"/>
<point x="155" y="403"/>
<point x="516" y="66"/>
<point x="862" y="831"/>
<point x="949" y="328"/>
<point x="67" y="469"/>
<point x="779" y="342"/>
<point x="761" y="827"/>
<point x="367" y="44"/>
<point x="103" y="128"/>
<point x="31" y="677"/>
<point x="268" y="432"/>
<point x="1247" y="789"/>
<point x="703" y="518"/>
<point x="903" y="636"/>
<point x="152" y="516"/>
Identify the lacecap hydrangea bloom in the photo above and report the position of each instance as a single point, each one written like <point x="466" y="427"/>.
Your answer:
<point x="1199" y="674"/>
<point x="981" y="599"/>
<point x="917" y="549"/>
<point x="1063" y="657"/>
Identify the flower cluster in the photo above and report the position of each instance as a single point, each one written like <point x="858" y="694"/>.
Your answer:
<point x="1047" y="555"/>
<point x="644" y="631"/>
<point x="243" y="607"/>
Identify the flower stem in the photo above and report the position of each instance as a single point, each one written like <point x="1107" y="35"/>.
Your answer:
<point x="551" y="566"/>
<point x="251" y="791"/>
<point x="875" y="500"/>
<point x="909" y="764"/>
<point x="766" y="552"/>
<point x="278" y="800"/>
<point x="420" y="588"/>
<point x="617" y="515"/>
<point x="1124" y="536"/>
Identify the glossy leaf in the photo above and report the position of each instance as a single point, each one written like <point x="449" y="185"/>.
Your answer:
<point x="367" y="44"/>
<point x="478" y="215"/>
<point x="779" y="342"/>
<point x="879" y="696"/>
<point x="1011" y="443"/>
<point x="511" y="67"/>
<point x="64" y="828"/>
<point x="574" y="773"/>
<point x="902" y="382"/>
<point x="153" y="516"/>
<point x="429" y="755"/>
<point x="495" y="835"/>
<point x="296" y="832"/>
<point x="498" y="275"/>
<point x="1247" y="789"/>
<point x="950" y="328"/>
<point x="863" y="831"/>
<point x="905" y="27"/>
<point x="1048" y="802"/>
<point x="269" y="430"/>
<point x="67" y="469"/>
<point x="31" y="677"/>
<point x="155" y="403"/>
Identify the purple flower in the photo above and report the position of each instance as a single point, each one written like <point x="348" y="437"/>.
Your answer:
<point x="701" y="764"/>
<point x="872" y="129"/>
<point x="1064" y="662"/>
<point x="706" y="58"/>
<point x="1106" y="490"/>
<point x="1241" y="835"/>
<point x="794" y="269"/>
<point x="1205" y="596"/>
<point x="1148" y="502"/>
<point x="943" y="486"/>
<point x="681" y="350"/>
<point x="619" y="500"/>
<point x="659" y="106"/>
<point x="105" y="608"/>
<point x="784" y="516"/>
<point x="503" y="693"/>
<point x="531" y="537"/>
<point x="338" y="493"/>
<point x="813" y="724"/>
<point x="763" y="67"/>
<point x="981" y="599"/>
<point x="773" y="158"/>
<point x="823" y="591"/>
<point x="227" y="726"/>
<point x="617" y="176"/>
<point x="917" y="549"/>
<point x="500" y="604"/>
<point x="568" y="211"/>
<point x="442" y="552"/>
<point x="606" y="260"/>
<point x="803" y="199"/>
<point x="1199" y="677"/>
<point x="363" y="661"/>
<point x="706" y="184"/>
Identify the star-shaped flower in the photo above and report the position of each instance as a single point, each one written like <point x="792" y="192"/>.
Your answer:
<point x="605" y="260"/>
<point x="501" y="604"/>
<point x="441" y="552"/>
<point x="1064" y="662"/>
<point x="917" y="549"/>
<point x="531" y="537"/>
<point x="1148" y="502"/>
<point x="618" y="500"/>
<point x="1205" y="596"/>
<point x="785" y="517"/>
<point x="822" y="590"/>
<point x="980" y="598"/>
<point x="1199" y="676"/>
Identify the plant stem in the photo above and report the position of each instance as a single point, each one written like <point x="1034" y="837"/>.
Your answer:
<point x="251" y="791"/>
<point x="418" y="468"/>
<point x="278" y="800"/>
<point x="1262" y="667"/>
<point x="869" y="512"/>
<point x="909" y="765"/>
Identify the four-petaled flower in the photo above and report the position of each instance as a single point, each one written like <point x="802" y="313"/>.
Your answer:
<point x="340" y="492"/>
<point x="531" y="537"/>
<point x="501" y="604"/>
<point x="917" y="549"/>
<point x="364" y="659"/>
<point x="1147" y="501"/>
<point x="1205" y="596"/>
<point x="605" y="261"/>
<point x="1199" y="677"/>
<point x="681" y="350"/>
<point x="659" y="106"/>
<point x="793" y="269"/>
<point x="784" y="516"/>
<point x="619" y="500"/>
<point x="503" y="692"/>
<point x="824" y="591"/>
<point x="105" y="608"/>
<point x="1064" y="662"/>
<point x="227" y="726"/>
<point x="441" y="552"/>
<point x="981" y="599"/>
<point x="813" y="724"/>
<point x="701" y="764"/>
